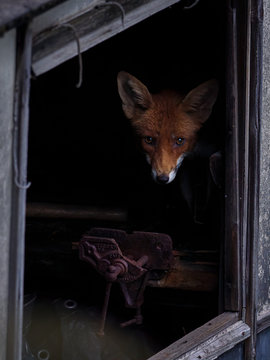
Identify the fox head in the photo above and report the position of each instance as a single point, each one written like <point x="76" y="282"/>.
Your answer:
<point x="167" y="123"/>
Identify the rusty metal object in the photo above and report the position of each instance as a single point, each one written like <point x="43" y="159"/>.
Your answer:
<point x="138" y="319"/>
<point x="105" y="308"/>
<point x="127" y="259"/>
<point x="158" y="247"/>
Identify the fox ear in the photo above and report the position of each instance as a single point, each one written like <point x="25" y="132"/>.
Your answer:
<point x="200" y="100"/>
<point x="134" y="95"/>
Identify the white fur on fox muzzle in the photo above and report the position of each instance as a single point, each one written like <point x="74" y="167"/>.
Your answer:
<point x="172" y="174"/>
<point x="164" y="179"/>
<point x="180" y="160"/>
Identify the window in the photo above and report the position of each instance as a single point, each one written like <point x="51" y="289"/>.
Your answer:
<point x="241" y="149"/>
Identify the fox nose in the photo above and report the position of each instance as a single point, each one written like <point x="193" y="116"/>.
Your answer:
<point x="163" y="179"/>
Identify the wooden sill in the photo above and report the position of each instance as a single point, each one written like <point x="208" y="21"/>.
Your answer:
<point x="208" y="341"/>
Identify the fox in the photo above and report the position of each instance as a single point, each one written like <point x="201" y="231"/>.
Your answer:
<point x="167" y="123"/>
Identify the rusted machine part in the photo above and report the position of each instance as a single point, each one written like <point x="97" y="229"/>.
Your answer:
<point x="138" y="319"/>
<point x="106" y="257"/>
<point x="158" y="247"/>
<point x="66" y="211"/>
<point x="127" y="259"/>
<point x="105" y="308"/>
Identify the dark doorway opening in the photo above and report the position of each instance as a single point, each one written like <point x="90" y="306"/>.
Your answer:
<point x="82" y="153"/>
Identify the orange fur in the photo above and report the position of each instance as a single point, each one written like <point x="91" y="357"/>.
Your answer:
<point x="167" y="123"/>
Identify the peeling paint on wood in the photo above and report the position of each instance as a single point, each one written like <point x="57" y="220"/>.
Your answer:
<point x="264" y="218"/>
<point x="219" y="343"/>
<point x="208" y="341"/>
<point x="7" y="78"/>
<point x="63" y="12"/>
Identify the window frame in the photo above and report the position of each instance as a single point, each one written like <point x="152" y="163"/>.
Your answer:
<point x="238" y="322"/>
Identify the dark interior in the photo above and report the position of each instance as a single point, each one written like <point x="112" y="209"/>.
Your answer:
<point x="82" y="152"/>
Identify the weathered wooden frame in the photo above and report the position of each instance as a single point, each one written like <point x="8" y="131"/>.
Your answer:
<point x="208" y="341"/>
<point x="56" y="44"/>
<point x="7" y="79"/>
<point x="19" y="187"/>
<point x="241" y="197"/>
<point x="239" y="321"/>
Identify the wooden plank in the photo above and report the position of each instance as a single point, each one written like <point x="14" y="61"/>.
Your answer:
<point x="189" y="275"/>
<point x="263" y="318"/>
<point x="232" y="207"/>
<point x="66" y="211"/>
<point x="219" y="343"/>
<point x="61" y="13"/>
<point x="198" y="337"/>
<point x="264" y="198"/>
<point x="19" y="184"/>
<point x="253" y="102"/>
<point x="7" y="80"/>
<point x="56" y="45"/>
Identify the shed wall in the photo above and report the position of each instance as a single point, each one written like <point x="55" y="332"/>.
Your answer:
<point x="7" y="73"/>
<point x="264" y="198"/>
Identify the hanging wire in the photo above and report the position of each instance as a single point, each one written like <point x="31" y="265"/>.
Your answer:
<point x="188" y="7"/>
<point x="20" y="183"/>
<point x="77" y="38"/>
<point x="115" y="3"/>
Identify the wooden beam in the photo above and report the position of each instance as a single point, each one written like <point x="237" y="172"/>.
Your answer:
<point x="253" y="117"/>
<point x="263" y="319"/>
<point x="57" y="44"/>
<point x="65" y="211"/>
<point x="220" y="343"/>
<point x="62" y="13"/>
<point x="7" y="80"/>
<point x="189" y="275"/>
<point x="208" y="341"/>
<point x="19" y="160"/>
<point x="231" y="247"/>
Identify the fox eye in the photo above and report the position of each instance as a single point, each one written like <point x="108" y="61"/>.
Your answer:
<point x="180" y="141"/>
<point x="149" y="140"/>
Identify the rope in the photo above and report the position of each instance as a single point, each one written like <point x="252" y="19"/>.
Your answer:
<point x="76" y="36"/>
<point x="115" y="3"/>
